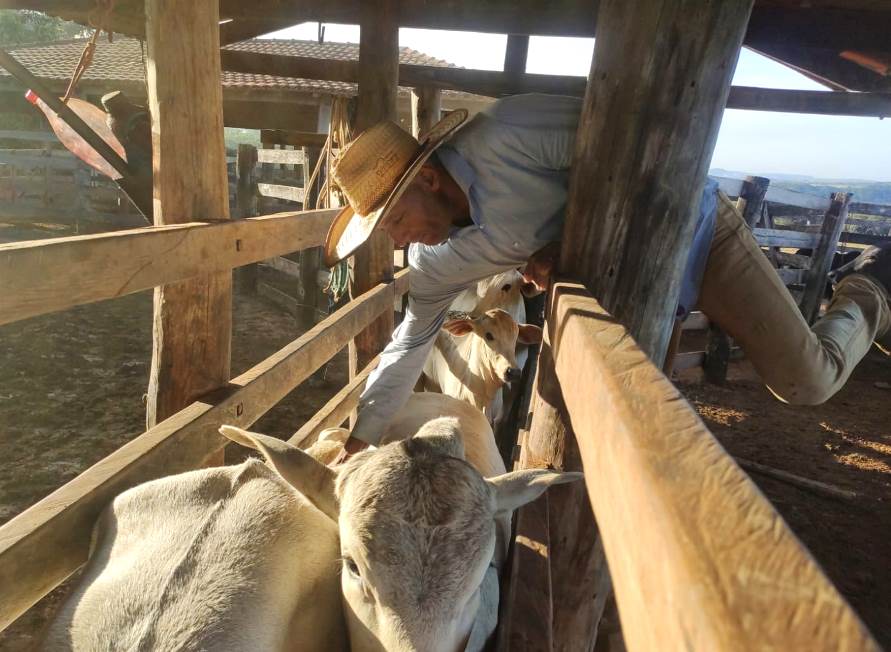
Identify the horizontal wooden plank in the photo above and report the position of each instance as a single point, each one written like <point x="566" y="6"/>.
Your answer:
<point x="863" y="238"/>
<point x="335" y="411"/>
<point x="700" y="559"/>
<point x="45" y="544"/>
<point x="784" y="238"/>
<point x="792" y="276"/>
<point x="33" y="136"/>
<point x="282" y="156"/>
<point x="797" y="199"/>
<point x="865" y="208"/>
<point x="284" y="266"/>
<point x="815" y="102"/>
<point x="730" y="187"/>
<point x="42" y="276"/>
<point x="290" y="193"/>
<point x="37" y="161"/>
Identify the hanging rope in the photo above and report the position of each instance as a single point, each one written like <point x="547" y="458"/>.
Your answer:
<point x="339" y="134"/>
<point x="103" y="7"/>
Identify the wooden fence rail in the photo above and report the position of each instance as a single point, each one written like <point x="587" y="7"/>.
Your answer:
<point x="43" y="276"/>
<point x="700" y="560"/>
<point x="45" y="544"/>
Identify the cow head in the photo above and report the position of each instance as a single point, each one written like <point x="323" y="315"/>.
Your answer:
<point x="498" y="335"/>
<point x="417" y="532"/>
<point x="502" y="290"/>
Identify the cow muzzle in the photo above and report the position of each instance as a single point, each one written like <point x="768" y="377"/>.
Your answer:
<point x="512" y="374"/>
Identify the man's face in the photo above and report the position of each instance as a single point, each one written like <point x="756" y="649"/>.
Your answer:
<point x="422" y="213"/>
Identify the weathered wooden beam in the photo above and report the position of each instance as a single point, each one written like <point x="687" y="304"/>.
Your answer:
<point x="426" y="109"/>
<point x="642" y="154"/>
<point x="45" y="544"/>
<point x="378" y="77"/>
<point x="189" y="155"/>
<point x="245" y="28"/>
<point x="700" y="560"/>
<point x="826" y="28"/>
<point x="281" y="156"/>
<point x="278" y="191"/>
<point x="335" y="411"/>
<point x="786" y="238"/>
<point x="819" y="102"/>
<point x="43" y="276"/>
<point x="282" y="114"/>
<point x="821" y="259"/>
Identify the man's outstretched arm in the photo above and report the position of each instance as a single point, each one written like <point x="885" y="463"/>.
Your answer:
<point x="438" y="274"/>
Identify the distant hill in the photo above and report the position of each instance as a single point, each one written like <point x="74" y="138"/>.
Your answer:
<point x="871" y="192"/>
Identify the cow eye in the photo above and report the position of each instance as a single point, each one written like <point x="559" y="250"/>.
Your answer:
<point x="490" y="337"/>
<point x="351" y="566"/>
<point x="506" y="288"/>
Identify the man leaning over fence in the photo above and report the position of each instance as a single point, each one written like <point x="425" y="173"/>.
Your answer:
<point x="481" y="196"/>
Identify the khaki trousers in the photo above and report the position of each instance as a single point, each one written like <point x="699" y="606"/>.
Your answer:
<point x="743" y="295"/>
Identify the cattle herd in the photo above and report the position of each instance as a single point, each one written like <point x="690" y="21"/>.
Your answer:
<point x="398" y="548"/>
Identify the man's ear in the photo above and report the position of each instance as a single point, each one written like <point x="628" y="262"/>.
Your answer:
<point x="529" y="334"/>
<point x="459" y="326"/>
<point x="428" y="178"/>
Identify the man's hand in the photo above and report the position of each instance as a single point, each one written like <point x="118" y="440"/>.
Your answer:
<point x="541" y="265"/>
<point x="350" y="447"/>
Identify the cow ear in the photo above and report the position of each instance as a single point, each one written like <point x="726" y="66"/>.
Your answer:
<point x="459" y="326"/>
<point x="529" y="334"/>
<point x="515" y="489"/>
<point x="311" y="478"/>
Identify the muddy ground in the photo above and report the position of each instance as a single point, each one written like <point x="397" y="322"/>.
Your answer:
<point x="845" y="442"/>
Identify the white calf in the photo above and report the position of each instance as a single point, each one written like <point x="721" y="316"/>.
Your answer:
<point x="418" y="534"/>
<point x="475" y="356"/>
<point x="224" y="559"/>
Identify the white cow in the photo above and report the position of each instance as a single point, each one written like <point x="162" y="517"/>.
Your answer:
<point x="418" y="535"/>
<point x="506" y="291"/>
<point x="224" y="559"/>
<point x="474" y="357"/>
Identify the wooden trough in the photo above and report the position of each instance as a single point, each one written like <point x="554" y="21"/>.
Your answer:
<point x="697" y="557"/>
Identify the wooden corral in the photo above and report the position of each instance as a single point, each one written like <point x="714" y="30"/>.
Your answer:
<point x="696" y="557"/>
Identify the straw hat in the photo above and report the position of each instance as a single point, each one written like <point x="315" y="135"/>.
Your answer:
<point x="373" y="172"/>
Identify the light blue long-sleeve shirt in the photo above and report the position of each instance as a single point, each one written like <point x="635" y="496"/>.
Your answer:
<point x="512" y="162"/>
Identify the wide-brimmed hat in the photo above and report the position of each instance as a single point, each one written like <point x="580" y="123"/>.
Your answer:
<point x="373" y="172"/>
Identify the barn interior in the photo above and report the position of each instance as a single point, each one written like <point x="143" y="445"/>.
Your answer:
<point x="664" y="506"/>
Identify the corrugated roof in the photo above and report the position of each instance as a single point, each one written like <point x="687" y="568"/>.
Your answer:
<point x="123" y="61"/>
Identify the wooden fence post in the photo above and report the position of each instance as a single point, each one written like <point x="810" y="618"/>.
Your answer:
<point x="310" y="259"/>
<point x="659" y="81"/>
<point x="821" y="259"/>
<point x="246" y="205"/>
<point x="192" y="319"/>
<point x="515" y="54"/>
<point x="426" y="107"/>
<point x="378" y="75"/>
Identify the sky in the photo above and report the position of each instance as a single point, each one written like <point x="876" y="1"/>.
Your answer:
<point x="829" y="147"/>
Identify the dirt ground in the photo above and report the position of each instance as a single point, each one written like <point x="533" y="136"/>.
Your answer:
<point x="71" y="392"/>
<point x="845" y="442"/>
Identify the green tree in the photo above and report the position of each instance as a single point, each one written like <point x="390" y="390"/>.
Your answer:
<point x="23" y="26"/>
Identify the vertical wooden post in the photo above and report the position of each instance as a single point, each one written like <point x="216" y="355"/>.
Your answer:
<point x="659" y="80"/>
<point x="751" y="199"/>
<point x="426" y="107"/>
<point x="378" y="76"/>
<point x="515" y="54"/>
<point x="310" y="259"/>
<point x="192" y="319"/>
<point x="246" y="205"/>
<point x="821" y="259"/>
